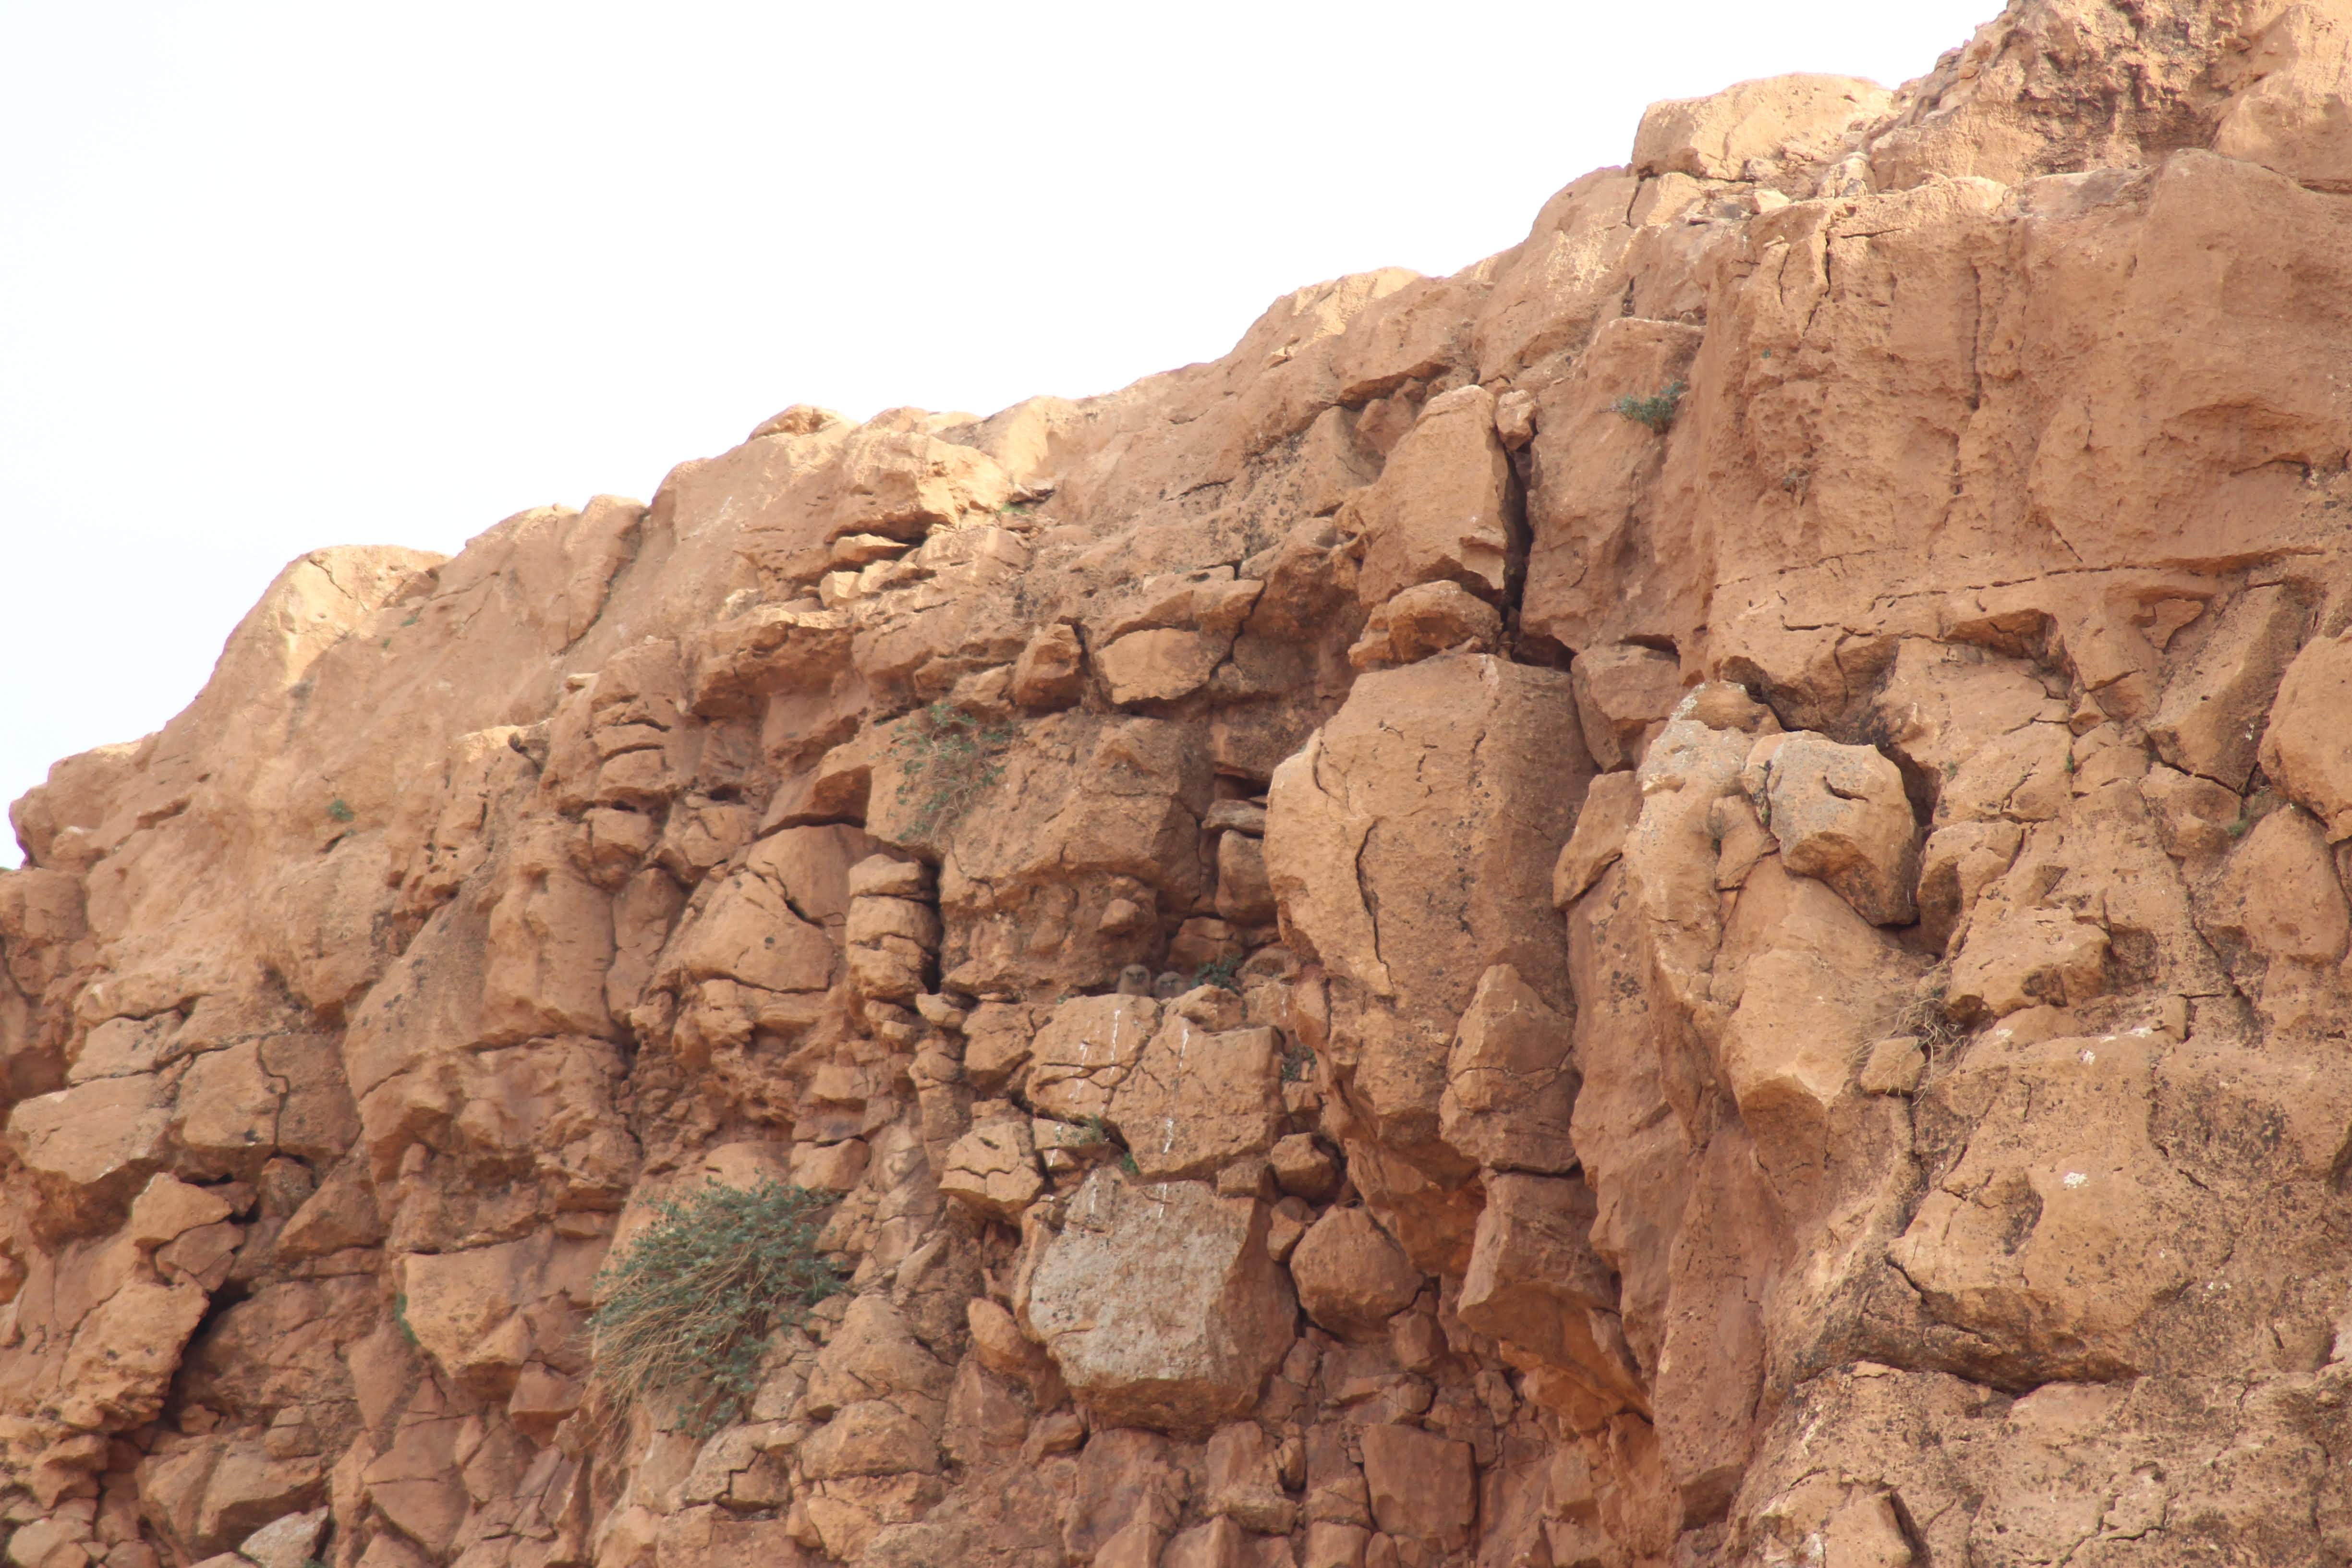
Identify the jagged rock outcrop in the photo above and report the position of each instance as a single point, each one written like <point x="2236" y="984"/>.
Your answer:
<point x="1680" y="900"/>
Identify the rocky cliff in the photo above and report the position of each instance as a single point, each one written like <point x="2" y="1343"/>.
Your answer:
<point x="1680" y="900"/>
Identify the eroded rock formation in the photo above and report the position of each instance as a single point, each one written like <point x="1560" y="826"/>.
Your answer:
<point x="1680" y="900"/>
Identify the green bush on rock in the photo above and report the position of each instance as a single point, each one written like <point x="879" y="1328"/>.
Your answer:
<point x="687" y="1306"/>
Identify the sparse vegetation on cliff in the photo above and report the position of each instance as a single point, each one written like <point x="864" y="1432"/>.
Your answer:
<point x="689" y="1303"/>
<point x="946" y="759"/>
<point x="1657" y="410"/>
<point x="1221" y="972"/>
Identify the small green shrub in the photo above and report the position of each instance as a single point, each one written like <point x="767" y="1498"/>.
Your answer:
<point x="1098" y="1134"/>
<point x="1220" y="972"/>
<point x="946" y="759"/>
<point x="400" y="1316"/>
<point x="337" y="811"/>
<point x="1657" y="411"/>
<point x="689" y="1306"/>
<point x="1296" y="1064"/>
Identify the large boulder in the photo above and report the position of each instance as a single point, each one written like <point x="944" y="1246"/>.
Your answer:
<point x="1199" y="1099"/>
<point x="1161" y="1305"/>
<point x="2307" y="749"/>
<point x="1352" y="1278"/>
<point x="1622" y="697"/>
<point x="1536" y="1283"/>
<point x="1086" y="1051"/>
<point x="1082" y="811"/>
<point x="1443" y="510"/>
<point x="1841" y="814"/>
<point x="96" y="1141"/>
<point x="1606" y="563"/>
<point x="1423" y="1486"/>
<point x="2014" y="958"/>
<point x="2296" y="115"/>
<point x="2210" y="722"/>
<point x="1511" y="1079"/>
<point x="1411" y="844"/>
<point x="2279" y="894"/>
<point x="993" y="1169"/>
<point x="1810" y="983"/>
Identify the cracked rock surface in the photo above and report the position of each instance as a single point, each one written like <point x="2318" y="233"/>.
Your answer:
<point x="1679" y="900"/>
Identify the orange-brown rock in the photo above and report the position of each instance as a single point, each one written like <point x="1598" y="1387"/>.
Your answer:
<point x="1441" y="510"/>
<point x="1161" y="1304"/>
<point x="1751" y="131"/>
<point x="1353" y="1278"/>
<point x="1510" y="1079"/>
<point x="1681" y="900"/>
<point x="1457" y="777"/>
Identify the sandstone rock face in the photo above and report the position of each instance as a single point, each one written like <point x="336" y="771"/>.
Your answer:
<point x="1680" y="900"/>
<point x="2303" y="747"/>
<point x="1623" y="695"/>
<point x="1456" y="778"/>
<point x="1839" y="812"/>
<point x="1510" y="1079"/>
<point x="1778" y="120"/>
<point x="1441" y="510"/>
<point x="1199" y="1099"/>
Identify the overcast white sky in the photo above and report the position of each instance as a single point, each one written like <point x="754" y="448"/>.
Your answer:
<point x="279" y="276"/>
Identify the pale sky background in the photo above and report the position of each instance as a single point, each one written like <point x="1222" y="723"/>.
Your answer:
<point x="274" y="277"/>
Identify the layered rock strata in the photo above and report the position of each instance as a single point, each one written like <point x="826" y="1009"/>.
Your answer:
<point x="1679" y="899"/>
